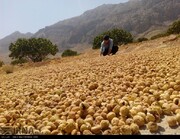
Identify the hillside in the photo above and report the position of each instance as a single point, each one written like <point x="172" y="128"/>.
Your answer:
<point x="140" y="17"/>
<point x="139" y="84"/>
<point x="137" y="17"/>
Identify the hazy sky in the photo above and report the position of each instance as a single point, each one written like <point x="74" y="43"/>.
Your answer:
<point x="32" y="15"/>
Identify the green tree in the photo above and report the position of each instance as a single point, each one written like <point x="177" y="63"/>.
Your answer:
<point x="35" y="49"/>
<point x="69" y="52"/>
<point x="119" y="37"/>
<point x="174" y="28"/>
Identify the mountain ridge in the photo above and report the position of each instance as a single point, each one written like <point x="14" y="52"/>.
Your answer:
<point x="130" y="16"/>
<point x="140" y="17"/>
<point x="12" y="38"/>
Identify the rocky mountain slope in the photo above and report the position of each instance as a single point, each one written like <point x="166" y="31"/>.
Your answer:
<point x="137" y="17"/>
<point x="140" y="17"/>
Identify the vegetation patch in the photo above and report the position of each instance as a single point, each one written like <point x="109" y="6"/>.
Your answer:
<point x="142" y="39"/>
<point x="35" y="49"/>
<point x="174" y="28"/>
<point x="119" y="37"/>
<point x="69" y="52"/>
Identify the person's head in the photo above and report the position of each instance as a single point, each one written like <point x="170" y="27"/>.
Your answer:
<point x="106" y="38"/>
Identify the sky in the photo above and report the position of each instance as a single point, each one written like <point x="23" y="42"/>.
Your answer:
<point x="32" y="15"/>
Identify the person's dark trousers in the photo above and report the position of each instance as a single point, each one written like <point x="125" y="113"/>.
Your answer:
<point x="113" y="52"/>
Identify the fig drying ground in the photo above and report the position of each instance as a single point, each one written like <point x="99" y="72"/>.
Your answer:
<point x="156" y="62"/>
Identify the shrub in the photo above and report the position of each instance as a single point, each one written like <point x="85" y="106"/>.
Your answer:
<point x="119" y="37"/>
<point x="69" y="52"/>
<point x="174" y="28"/>
<point x="159" y="36"/>
<point x="1" y="63"/>
<point x="8" y="68"/>
<point x="142" y="39"/>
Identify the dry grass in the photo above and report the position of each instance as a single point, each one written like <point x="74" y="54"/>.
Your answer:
<point x="1" y="63"/>
<point x="8" y="69"/>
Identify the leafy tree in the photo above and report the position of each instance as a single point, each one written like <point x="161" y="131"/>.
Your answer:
<point x="174" y="28"/>
<point x="69" y="52"/>
<point x="35" y="49"/>
<point x="119" y="37"/>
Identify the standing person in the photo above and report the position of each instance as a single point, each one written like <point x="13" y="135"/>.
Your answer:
<point x="107" y="46"/>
